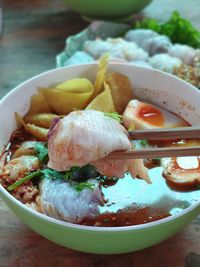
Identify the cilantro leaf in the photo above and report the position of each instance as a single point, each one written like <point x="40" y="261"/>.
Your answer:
<point x="52" y="174"/>
<point x="42" y="152"/>
<point x="73" y="176"/>
<point x="45" y="173"/>
<point x="24" y="180"/>
<point x="81" y="186"/>
<point x="144" y="142"/>
<point x="113" y="115"/>
<point x="69" y="174"/>
<point x="81" y="174"/>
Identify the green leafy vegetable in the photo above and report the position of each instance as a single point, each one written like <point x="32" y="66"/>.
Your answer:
<point x="102" y="178"/>
<point x="53" y="174"/>
<point x="144" y="142"/>
<point x="81" y="186"/>
<point x="45" y="173"/>
<point x="42" y="152"/>
<point x="24" y="180"/>
<point x="151" y="24"/>
<point x="69" y="174"/>
<point x="178" y="29"/>
<point x="84" y="173"/>
<point x="113" y="115"/>
<point x="181" y="31"/>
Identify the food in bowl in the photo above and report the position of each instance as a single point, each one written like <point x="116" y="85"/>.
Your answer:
<point x="157" y="88"/>
<point x="55" y="162"/>
<point x="147" y="48"/>
<point x="148" y="43"/>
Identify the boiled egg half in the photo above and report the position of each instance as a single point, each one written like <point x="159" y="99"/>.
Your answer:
<point x="140" y="115"/>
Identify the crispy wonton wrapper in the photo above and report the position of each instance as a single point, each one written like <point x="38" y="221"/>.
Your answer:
<point x="69" y="95"/>
<point x="100" y="77"/>
<point x="121" y="90"/>
<point x="38" y="105"/>
<point x="43" y="119"/>
<point x="39" y="132"/>
<point x="103" y="102"/>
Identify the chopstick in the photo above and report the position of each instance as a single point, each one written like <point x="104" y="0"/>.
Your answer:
<point x="155" y="153"/>
<point x="166" y="134"/>
<point x="160" y="134"/>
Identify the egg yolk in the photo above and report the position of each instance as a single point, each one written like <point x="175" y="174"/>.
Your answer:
<point x="151" y="115"/>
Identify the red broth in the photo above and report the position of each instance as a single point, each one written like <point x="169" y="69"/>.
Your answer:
<point x="130" y="201"/>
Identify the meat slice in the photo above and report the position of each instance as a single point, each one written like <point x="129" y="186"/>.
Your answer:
<point x="16" y="169"/>
<point x="59" y="199"/>
<point x="83" y="137"/>
<point x="19" y="167"/>
<point x="86" y="137"/>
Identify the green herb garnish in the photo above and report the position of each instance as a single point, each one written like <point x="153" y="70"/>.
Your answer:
<point x="102" y="178"/>
<point x="147" y="23"/>
<point x="52" y="174"/>
<point x="24" y="180"/>
<point x="45" y="173"/>
<point x="69" y="174"/>
<point x="181" y="31"/>
<point x="178" y="29"/>
<point x="81" y="186"/>
<point x="42" y="152"/>
<point x="113" y="115"/>
<point x="144" y="142"/>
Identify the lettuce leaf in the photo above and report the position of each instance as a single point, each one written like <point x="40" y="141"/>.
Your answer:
<point x="178" y="29"/>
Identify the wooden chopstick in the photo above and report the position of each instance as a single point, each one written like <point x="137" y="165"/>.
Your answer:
<point x="161" y="134"/>
<point x="166" y="134"/>
<point x="155" y="153"/>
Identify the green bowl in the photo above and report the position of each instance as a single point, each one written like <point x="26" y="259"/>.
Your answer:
<point x="159" y="88"/>
<point x="107" y="9"/>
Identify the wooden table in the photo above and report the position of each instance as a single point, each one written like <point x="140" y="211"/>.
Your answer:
<point x="33" y="33"/>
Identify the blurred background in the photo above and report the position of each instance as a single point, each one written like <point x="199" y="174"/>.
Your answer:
<point x="33" y="32"/>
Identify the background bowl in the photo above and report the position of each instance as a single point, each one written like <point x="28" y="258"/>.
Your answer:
<point x="107" y="9"/>
<point x="159" y="88"/>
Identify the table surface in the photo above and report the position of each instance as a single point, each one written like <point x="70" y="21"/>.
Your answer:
<point x="33" y="33"/>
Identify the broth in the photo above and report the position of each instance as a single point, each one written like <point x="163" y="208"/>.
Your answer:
<point x="131" y="201"/>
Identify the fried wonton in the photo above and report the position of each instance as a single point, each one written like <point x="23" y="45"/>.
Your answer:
<point x="100" y="77"/>
<point x="42" y="119"/>
<point x="121" y="90"/>
<point x="38" y="105"/>
<point x="103" y="102"/>
<point x="38" y="132"/>
<point x="69" y="95"/>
